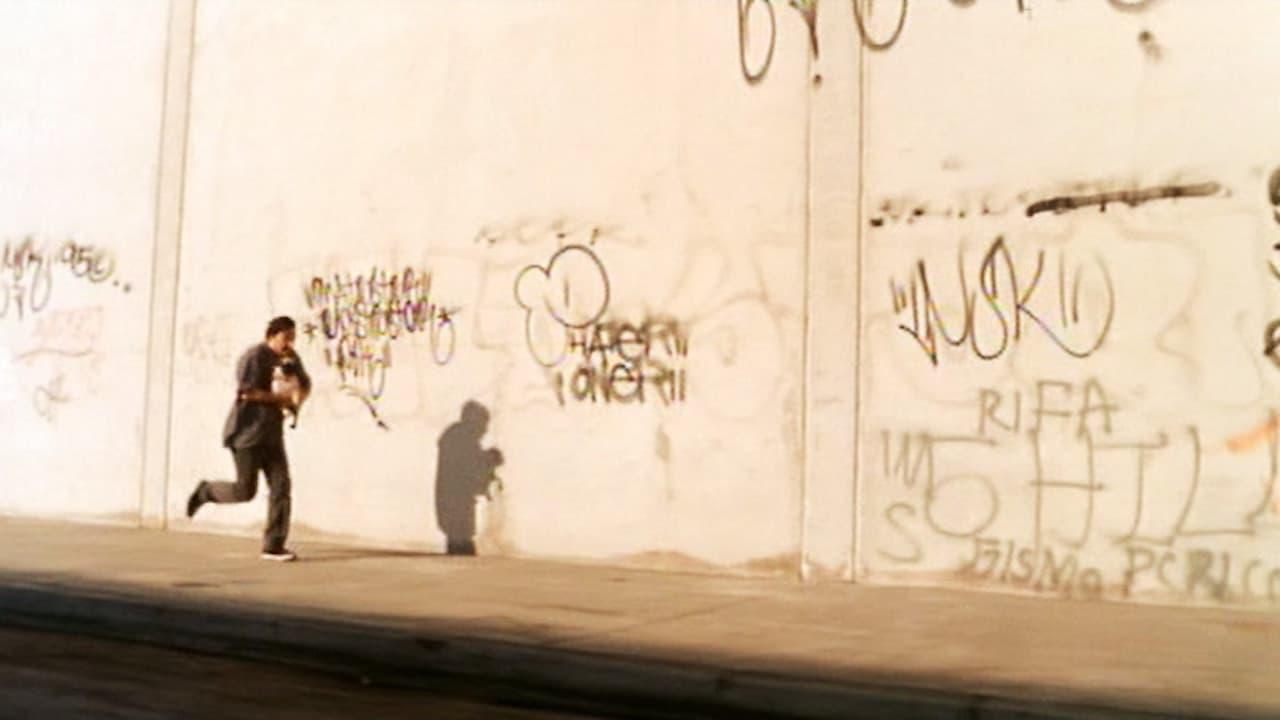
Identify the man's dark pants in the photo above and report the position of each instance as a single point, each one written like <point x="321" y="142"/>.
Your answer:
<point x="271" y="460"/>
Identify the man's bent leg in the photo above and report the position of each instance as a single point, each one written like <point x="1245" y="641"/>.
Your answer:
<point x="249" y="461"/>
<point x="279" y="507"/>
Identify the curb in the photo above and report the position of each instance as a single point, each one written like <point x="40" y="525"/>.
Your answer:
<point x="520" y="674"/>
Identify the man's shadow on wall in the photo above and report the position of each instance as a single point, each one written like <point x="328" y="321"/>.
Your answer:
<point x="464" y="472"/>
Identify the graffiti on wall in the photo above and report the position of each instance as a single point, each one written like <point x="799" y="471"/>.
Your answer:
<point x="1271" y="338"/>
<point x="208" y="345"/>
<point x="570" y="292"/>
<point x="1130" y="198"/>
<point x="62" y="352"/>
<point x="358" y="319"/>
<point x="991" y="302"/>
<point x="1000" y="304"/>
<point x="30" y="268"/>
<point x="755" y="63"/>
<point x="1024" y="490"/>
<point x="891" y="211"/>
<point x="621" y="362"/>
<point x="879" y="23"/>
<point x="1081" y="485"/>
<point x="47" y="397"/>
<point x="590" y="358"/>
<point x="207" y="340"/>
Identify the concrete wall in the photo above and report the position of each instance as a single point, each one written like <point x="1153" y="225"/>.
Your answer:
<point x="81" y="84"/>
<point x="964" y="294"/>
<point x="1068" y="289"/>
<point x="569" y="184"/>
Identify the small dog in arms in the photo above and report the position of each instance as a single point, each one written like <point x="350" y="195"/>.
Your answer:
<point x="284" y="381"/>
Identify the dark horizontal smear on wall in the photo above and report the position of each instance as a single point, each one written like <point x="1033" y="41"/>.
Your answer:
<point x="1132" y="198"/>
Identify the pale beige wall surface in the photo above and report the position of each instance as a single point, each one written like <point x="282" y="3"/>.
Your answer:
<point x="918" y="308"/>
<point x="1072" y="402"/>
<point x="81" y="84"/>
<point x="473" y="141"/>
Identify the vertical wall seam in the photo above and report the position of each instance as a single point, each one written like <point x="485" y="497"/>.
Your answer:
<point x="855" y="544"/>
<point x="806" y="465"/>
<point x="156" y="234"/>
<point x="178" y="225"/>
<point x="168" y="229"/>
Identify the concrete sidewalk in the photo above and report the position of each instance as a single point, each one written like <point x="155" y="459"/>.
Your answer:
<point x="681" y="644"/>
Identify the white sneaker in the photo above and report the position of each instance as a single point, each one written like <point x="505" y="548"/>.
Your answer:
<point x="279" y="555"/>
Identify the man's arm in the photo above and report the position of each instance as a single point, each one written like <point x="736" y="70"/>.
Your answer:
<point x="254" y="381"/>
<point x="265" y="397"/>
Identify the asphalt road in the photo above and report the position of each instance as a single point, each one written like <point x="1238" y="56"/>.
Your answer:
<point x="49" y="675"/>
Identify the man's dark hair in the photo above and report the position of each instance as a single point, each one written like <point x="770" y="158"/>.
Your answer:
<point x="280" y="324"/>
